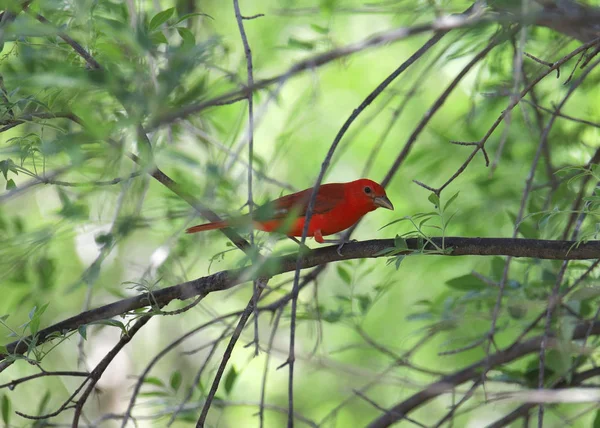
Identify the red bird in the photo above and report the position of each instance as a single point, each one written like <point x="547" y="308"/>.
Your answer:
<point x="337" y="207"/>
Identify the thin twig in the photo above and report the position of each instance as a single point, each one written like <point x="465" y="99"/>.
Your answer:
<point x="470" y="373"/>
<point x="13" y="383"/>
<point x="162" y="353"/>
<point x="309" y="211"/>
<point x="563" y="268"/>
<point x="481" y="143"/>
<point x="249" y="70"/>
<point x="263" y="388"/>
<point x="103" y="364"/>
<point x="440" y="26"/>
<point x="227" y="355"/>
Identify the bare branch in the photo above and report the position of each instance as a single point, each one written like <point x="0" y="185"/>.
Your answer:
<point x="470" y="373"/>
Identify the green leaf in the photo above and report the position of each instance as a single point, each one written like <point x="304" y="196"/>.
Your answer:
<point x="188" y="416"/>
<point x="406" y="218"/>
<point x="524" y="228"/>
<point x="344" y="275"/>
<point x="104" y="239"/>
<point x="6" y="410"/>
<point x="154" y="381"/>
<point x="34" y="326"/>
<point x="319" y="29"/>
<point x="452" y="199"/>
<point x="400" y="243"/>
<point x="151" y="394"/>
<point x="399" y="260"/>
<point x="497" y="269"/>
<point x="190" y="15"/>
<point x="528" y="231"/>
<point x="230" y="379"/>
<point x="175" y="380"/>
<point x="71" y="210"/>
<point x="8" y="165"/>
<point x="387" y="250"/>
<point x="82" y="329"/>
<point x="597" y="420"/>
<point x="300" y="44"/>
<point x="45" y="268"/>
<point x="585" y="293"/>
<point x="160" y="18"/>
<point x="10" y="184"/>
<point x="559" y="360"/>
<point x="434" y="199"/>
<point x="364" y="302"/>
<point x="333" y="316"/>
<point x="158" y="38"/>
<point x="466" y="283"/>
<point x="517" y="309"/>
<point x="111" y="323"/>
<point x="188" y="37"/>
<point x="424" y="221"/>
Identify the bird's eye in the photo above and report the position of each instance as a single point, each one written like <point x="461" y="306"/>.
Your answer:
<point x="368" y="190"/>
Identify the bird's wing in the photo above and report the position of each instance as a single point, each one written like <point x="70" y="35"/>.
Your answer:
<point x="328" y="197"/>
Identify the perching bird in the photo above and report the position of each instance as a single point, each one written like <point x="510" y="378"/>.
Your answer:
<point x="337" y="207"/>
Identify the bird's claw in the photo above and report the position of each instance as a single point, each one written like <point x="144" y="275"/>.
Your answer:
<point x="339" y="248"/>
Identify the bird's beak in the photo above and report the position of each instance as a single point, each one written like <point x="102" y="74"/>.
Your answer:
<point x="383" y="202"/>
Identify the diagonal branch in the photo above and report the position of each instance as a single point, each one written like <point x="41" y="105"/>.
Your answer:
<point x="470" y="373"/>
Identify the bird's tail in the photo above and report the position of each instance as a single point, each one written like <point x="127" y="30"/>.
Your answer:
<point x="208" y="226"/>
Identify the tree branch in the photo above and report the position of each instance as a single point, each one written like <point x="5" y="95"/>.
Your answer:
<point x="445" y="23"/>
<point x="455" y="246"/>
<point x="471" y="373"/>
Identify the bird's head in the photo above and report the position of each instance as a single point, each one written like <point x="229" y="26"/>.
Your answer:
<point x="368" y="195"/>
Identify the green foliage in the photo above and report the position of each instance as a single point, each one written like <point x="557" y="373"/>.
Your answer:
<point x="466" y="283"/>
<point x="230" y="379"/>
<point x="84" y="223"/>
<point x="6" y="410"/>
<point x="175" y="380"/>
<point x="419" y="221"/>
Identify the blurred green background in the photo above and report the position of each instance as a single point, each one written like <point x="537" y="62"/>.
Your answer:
<point x="73" y="237"/>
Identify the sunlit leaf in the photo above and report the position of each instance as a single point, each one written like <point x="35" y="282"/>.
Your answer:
<point x="191" y="15"/>
<point x="187" y="36"/>
<point x="154" y="381"/>
<point x="160" y="18"/>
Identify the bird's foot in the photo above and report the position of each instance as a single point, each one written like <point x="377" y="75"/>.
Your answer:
<point x="340" y="242"/>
